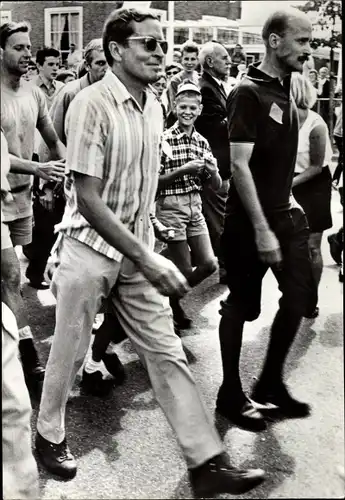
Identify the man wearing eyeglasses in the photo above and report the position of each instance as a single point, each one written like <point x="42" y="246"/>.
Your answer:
<point x="106" y="244"/>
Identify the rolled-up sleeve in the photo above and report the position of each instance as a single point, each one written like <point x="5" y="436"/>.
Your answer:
<point x="85" y="129"/>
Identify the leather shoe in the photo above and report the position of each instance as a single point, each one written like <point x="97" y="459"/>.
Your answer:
<point x="283" y="403"/>
<point x="335" y="248"/>
<point x="39" y="285"/>
<point x="246" y="416"/>
<point x="181" y="321"/>
<point x="218" y="476"/>
<point x="313" y="314"/>
<point x="95" y="384"/>
<point x="56" y="458"/>
<point x="114" y="367"/>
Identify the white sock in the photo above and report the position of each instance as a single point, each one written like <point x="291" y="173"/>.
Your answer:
<point x="98" y="321"/>
<point x="92" y="366"/>
<point x="25" y="333"/>
<point x="111" y="348"/>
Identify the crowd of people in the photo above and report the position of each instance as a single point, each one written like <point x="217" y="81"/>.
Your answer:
<point x="142" y="179"/>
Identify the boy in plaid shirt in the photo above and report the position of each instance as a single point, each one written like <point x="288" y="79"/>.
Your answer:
<point x="186" y="164"/>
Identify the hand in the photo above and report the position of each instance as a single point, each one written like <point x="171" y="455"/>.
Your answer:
<point x="51" y="170"/>
<point x="166" y="234"/>
<point x="163" y="274"/>
<point x="211" y="165"/>
<point x="268" y="248"/>
<point x="194" y="167"/>
<point x="47" y="199"/>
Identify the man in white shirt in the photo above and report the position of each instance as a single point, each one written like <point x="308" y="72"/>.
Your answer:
<point x="74" y="58"/>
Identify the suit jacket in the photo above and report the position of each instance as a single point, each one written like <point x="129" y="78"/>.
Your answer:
<point x="212" y="123"/>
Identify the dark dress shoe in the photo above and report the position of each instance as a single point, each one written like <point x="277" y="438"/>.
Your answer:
<point x="114" y="367"/>
<point x="335" y="248"/>
<point x="95" y="384"/>
<point x="38" y="284"/>
<point x="245" y="416"/>
<point x="284" y="405"/>
<point x="36" y="281"/>
<point x="56" y="458"/>
<point x="313" y="314"/>
<point x="181" y="321"/>
<point x="218" y="476"/>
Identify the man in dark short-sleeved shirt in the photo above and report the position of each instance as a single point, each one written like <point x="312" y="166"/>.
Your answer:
<point x="264" y="226"/>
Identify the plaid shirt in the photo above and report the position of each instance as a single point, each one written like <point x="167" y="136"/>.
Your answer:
<point x="110" y="137"/>
<point x="177" y="150"/>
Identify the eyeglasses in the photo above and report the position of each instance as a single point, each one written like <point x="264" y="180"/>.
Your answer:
<point x="150" y="43"/>
<point x="173" y="72"/>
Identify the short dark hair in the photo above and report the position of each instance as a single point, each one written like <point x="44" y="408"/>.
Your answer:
<point x="189" y="47"/>
<point x="118" y="27"/>
<point x="42" y="54"/>
<point x="8" y="29"/>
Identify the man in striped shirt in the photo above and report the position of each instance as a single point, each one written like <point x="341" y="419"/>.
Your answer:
<point x="113" y="134"/>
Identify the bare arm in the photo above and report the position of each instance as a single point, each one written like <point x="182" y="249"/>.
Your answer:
<point x="267" y="243"/>
<point x="192" y="167"/>
<point x="318" y="141"/>
<point x="50" y="171"/>
<point x="50" y="137"/>
<point x="215" y="179"/>
<point x="162" y="273"/>
<point x="240" y="156"/>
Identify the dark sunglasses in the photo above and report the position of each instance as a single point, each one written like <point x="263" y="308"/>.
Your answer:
<point x="150" y="43"/>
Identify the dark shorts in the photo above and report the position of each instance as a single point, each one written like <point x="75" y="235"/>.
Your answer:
<point x="245" y="271"/>
<point x="314" y="196"/>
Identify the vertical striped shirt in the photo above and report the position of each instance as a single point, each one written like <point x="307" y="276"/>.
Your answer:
<point x="110" y="137"/>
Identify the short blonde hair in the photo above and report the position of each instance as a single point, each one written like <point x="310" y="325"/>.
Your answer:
<point x="303" y="91"/>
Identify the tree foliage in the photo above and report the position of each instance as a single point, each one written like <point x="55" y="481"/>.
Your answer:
<point x="328" y="14"/>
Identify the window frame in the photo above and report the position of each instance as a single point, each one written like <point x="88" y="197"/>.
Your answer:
<point x="48" y="11"/>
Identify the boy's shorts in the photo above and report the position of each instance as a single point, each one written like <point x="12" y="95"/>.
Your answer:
<point x="20" y="231"/>
<point x="182" y="212"/>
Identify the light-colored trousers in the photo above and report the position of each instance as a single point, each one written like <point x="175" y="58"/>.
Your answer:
<point x="82" y="280"/>
<point x="20" y="476"/>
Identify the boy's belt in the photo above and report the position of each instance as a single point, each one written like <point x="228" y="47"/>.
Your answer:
<point x="19" y="189"/>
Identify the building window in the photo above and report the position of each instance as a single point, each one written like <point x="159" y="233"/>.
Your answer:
<point x="5" y="16"/>
<point x="202" y="35"/>
<point x="227" y="36"/>
<point x="251" y="38"/>
<point x="63" y="26"/>
<point x="181" y="35"/>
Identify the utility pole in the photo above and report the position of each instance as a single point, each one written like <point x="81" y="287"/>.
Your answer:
<point x="170" y="31"/>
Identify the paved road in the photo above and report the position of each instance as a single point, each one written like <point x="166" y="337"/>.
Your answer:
<point x="125" y="448"/>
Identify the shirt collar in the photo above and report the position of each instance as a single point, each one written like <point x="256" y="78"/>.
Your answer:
<point x="176" y="130"/>
<point x="220" y="82"/>
<point x="120" y="92"/>
<point x="41" y="83"/>
<point x="257" y="75"/>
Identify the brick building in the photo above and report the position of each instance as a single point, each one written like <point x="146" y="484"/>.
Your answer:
<point x="83" y="20"/>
